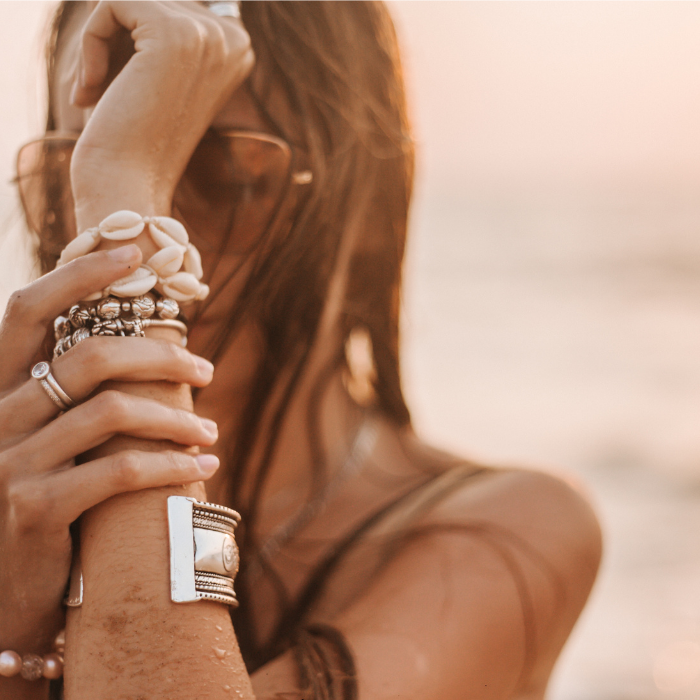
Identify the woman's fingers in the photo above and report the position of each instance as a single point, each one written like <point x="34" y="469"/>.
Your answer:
<point x="99" y="29"/>
<point x="157" y="25"/>
<point x="102" y="28"/>
<point x="90" y="424"/>
<point x="35" y="306"/>
<point x="99" y="48"/>
<point x="60" y="497"/>
<point x="96" y="360"/>
<point x="231" y="38"/>
<point x="84" y="367"/>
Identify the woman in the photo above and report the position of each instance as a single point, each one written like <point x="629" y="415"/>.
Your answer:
<point x="372" y="566"/>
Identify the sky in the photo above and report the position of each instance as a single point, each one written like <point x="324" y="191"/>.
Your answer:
<point x="511" y="94"/>
<point x="504" y="94"/>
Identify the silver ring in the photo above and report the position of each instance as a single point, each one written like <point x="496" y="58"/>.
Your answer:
<point x="224" y="9"/>
<point x="42" y="373"/>
<point x="168" y="323"/>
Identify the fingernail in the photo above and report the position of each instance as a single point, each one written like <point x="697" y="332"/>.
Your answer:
<point x="209" y="426"/>
<point x="208" y="464"/>
<point x="204" y="367"/>
<point x="124" y="254"/>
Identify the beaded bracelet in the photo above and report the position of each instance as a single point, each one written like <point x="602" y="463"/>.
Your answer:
<point x="32" y="667"/>
<point x="162" y="271"/>
<point x="113" y="316"/>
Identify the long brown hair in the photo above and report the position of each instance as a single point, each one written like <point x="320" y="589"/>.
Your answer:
<point x="339" y="68"/>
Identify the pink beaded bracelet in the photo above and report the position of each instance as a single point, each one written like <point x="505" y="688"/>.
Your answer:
<point x="32" y="667"/>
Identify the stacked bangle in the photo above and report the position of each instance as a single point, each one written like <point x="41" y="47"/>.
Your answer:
<point x="32" y="667"/>
<point x="112" y="316"/>
<point x="204" y="557"/>
<point x="127" y="306"/>
<point x="203" y="552"/>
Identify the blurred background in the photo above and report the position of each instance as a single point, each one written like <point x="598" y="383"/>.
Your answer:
<point x="552" y="303"/>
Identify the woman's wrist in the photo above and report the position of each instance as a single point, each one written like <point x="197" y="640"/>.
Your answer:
<point x="29" y="630"/>
<point x="104" y="195"/>
<point x="103" y="223"/>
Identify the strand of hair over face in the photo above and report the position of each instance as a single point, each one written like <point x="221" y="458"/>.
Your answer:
<point x="337" y="66"/>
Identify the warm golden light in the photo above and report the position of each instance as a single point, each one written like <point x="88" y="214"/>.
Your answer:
<point x="552" y="304"/>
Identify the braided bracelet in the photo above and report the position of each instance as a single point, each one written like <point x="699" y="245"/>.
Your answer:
<point x="162" y="271"/>
<point x="32" y="667"/>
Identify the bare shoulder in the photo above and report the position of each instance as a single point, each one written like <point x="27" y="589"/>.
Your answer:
<point x="544" y="530"/>
<point x="551" y="513"/>
<point x="481" y="596"/>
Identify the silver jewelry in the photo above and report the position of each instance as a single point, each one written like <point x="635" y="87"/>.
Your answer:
<point x="168" y="323"/>
<point x="74" y="595"/>
<point x="224" y="9"/>
<point x="203" y="553"/>
<point x="42" y="372"/>
<point x="114" y="316"/>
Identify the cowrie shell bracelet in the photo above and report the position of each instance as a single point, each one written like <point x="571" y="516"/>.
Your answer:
<point x="162" y="271"/>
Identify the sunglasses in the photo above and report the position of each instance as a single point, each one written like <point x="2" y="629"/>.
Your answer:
<point x="227" y="198"/>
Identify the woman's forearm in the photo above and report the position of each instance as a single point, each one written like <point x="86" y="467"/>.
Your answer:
<point x="128" y="639"/>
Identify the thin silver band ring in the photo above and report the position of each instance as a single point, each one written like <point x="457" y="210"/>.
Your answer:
<point x="52" y="395"/>
<point x="42" y="373"/>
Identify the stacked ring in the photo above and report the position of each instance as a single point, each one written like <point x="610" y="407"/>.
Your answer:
<point x="116" y="317"/>
<point x="172" y="323"/>
<point x="42" y="373"/>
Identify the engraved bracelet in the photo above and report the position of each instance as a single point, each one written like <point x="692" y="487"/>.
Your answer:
<point x="203" y="553"/>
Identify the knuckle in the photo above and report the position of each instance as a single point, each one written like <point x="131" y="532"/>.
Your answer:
<point x="172" y="354"/>
<point x="243" y="44"/>
<point x="181" y="466"/>
<point x="19" y="306"/>
<point x="248" y="60"/>
<point x="216" y="45"/>
<point x="30" y="505"/>
<point x="127" y="469"/>
<point x="92" y="354"/>
<point x="170" y="351"/>
<point x="183" y="357"/>
<point x="110" y="405"/>
<point x="188" y="419"/>
<point x="191" y="36"/>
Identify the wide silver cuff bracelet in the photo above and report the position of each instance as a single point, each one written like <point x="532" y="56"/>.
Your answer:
<point x="203" y="553"/>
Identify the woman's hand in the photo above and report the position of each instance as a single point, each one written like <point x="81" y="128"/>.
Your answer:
<point x="147" y="121"/>
<point x="41" y="490"/>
